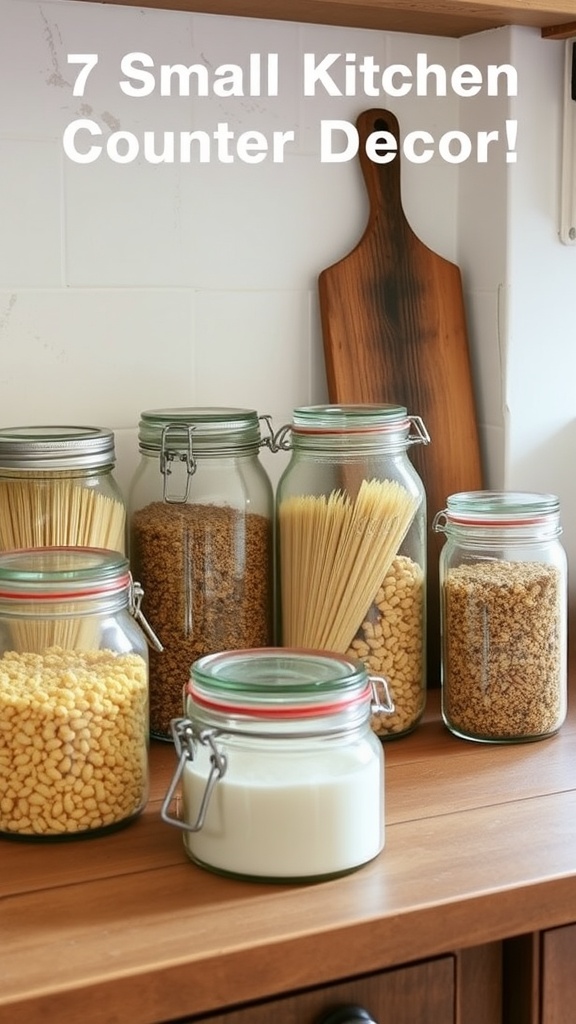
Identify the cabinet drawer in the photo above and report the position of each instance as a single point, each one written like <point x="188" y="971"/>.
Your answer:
<point x="418" y="994"/>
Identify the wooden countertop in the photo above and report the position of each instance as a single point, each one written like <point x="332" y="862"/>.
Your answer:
<point x="480" y="845"/>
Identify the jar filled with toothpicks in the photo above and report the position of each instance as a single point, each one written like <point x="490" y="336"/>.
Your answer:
<point x="57" y="487"/>
<point x="351" y="537"/>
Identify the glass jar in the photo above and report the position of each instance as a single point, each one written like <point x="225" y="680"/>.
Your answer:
<point x="282" y="777"/>
<point x="201" y="517"/>
<point x="503" y="584"/>
<point x="57" y="488"/>
<point x="351" y="525"/>
<point x="73" y="694"/>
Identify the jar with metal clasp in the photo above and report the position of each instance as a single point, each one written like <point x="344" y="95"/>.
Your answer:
<point x="503" y="585"/>
<point x="201" y="519"/>
<point x="351" y="529"/>
<point x="281" y="776"/>
<point x="73" y="694"/>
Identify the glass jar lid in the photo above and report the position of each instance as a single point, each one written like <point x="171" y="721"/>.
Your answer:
<point x="62" y="573"/>
<point x="337" y="419"/>
<point x="210" y="430"/>
<point x="278" y="683"/>
<point x="500" y="508"/>
<point x="375" y="427"/>
<point x="56" y="447"/>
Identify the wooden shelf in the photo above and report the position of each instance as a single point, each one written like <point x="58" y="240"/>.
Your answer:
<point x="430" y="17"/>
<point x="479" y="847"/>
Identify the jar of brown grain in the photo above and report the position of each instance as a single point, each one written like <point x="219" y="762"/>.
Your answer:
<point x="201" y="512"/>
<point x="503" y="583"/>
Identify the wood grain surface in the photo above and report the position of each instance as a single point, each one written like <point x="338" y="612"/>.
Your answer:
<point x="394" y="330"/>
<point x="479" y="846"/>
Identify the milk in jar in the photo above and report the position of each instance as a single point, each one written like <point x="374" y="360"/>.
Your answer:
<point x="282" y="777"/>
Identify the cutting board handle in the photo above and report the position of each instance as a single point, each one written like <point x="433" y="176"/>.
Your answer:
<point x="382" y="180"/>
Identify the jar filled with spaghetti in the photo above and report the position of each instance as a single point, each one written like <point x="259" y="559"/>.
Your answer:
<point x="58" y="488"/>
<point x="73" y="694"/>
<point x="201" y="516"/>
<point x="503" y="584"/>
<point x="351" y="525"/>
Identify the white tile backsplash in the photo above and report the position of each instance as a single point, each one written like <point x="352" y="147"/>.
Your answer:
<point x="140" y="285"/>
<point x="95" y="356"/>
<point x="31" y="213"/>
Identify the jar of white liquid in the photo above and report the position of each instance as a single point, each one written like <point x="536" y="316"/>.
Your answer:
<point x="281" y="776"/>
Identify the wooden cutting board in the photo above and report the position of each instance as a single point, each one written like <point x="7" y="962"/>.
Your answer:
<point x="394" y="330"/>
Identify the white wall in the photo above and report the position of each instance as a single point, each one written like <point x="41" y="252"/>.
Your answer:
<point x="125" y="287"/>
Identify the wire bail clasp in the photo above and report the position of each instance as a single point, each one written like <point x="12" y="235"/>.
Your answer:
<point x="135" y="609"/>
<point x="275" y="441"/>
<point x="420" y="435"/>
<point x="186" y="735"/>
<point x="440" y="521"/>
<point x="167" y="456"/>
<point x="381" y="706"/>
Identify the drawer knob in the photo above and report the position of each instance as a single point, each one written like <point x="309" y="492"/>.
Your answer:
<point x="348" y="1015"/>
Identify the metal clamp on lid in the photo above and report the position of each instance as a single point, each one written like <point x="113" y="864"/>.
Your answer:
<point x="378" y="706"/>
<point x="421" y="435"/>
<point x="276" y="441"/>
<point x="136" y="595"/>
<point x="185" y="735"/>
<point x="168" y="455"/>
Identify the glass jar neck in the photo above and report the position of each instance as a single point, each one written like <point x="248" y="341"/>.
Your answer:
<point x="66" y="607"/>
<point x="349" y="719"/>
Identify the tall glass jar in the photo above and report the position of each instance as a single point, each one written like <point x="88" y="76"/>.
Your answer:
<point x="351" y="526"/>
<point x="57" y="487"/>
<point x="201" y="517"/>
<point x="282" y="777"/>
<point x="73" y="694"/>
<point x="503" y="582"/>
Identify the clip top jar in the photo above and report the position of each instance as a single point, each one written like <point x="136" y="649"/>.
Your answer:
<point x="503" y="582"/>
<point x="351" y="524"/>
<point x="73" y="694"/>
<point x="201" y="515"/>
<point x="57" y="487"/>
<point x="282" y="777"/>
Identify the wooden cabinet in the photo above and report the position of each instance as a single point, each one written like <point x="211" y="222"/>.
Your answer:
<point x="540" y="977"/>
<point x="450" y="18"/>
<point x="418" y="994"/>
<point x="463" y="988"/>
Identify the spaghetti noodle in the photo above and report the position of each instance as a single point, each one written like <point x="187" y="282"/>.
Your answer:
<point x="334" y="553"/>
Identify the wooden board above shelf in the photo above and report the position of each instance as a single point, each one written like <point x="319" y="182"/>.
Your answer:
<point x="430" y="17"/>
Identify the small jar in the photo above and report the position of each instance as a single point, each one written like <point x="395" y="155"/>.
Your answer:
<point x="282" y="777"/>
<point x="201" y="517"/>
<point x="57" y="488"/>
<point x="73" y="694"/>
<point x="351" y="525"/>
<point x="503" y="584"/>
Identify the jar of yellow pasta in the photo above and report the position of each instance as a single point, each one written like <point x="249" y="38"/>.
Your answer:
<point x="351" y="531"/>
<point x="73" y="694"/>
<point x="58" y="487"/>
